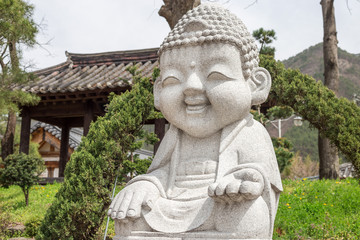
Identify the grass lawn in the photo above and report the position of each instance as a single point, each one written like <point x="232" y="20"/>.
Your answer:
<point x="307" y="209"/>
<point x="319" y="210"/>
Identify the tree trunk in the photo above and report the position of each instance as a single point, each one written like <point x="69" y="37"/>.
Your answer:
<point x="328" y="154"/>
<point x="26" y="194"/>
<point x="173" y="10"/>
<point x="329" y="161"/>
<point x="13" y="56"/>
<point x="7" y="143"/>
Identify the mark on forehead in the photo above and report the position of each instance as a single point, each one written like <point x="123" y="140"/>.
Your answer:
<point x="192" y="64"/>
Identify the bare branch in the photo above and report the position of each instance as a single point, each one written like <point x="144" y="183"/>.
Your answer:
<point x="348" y="7"/>
<point x="2" y="56"/>
<point x="3" y="65"/>
<point x="251" y="4"/>
<point x="155" y="9"/>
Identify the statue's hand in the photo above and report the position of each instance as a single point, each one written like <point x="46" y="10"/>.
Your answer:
<point x="128" y="202"/>
<point x="245" y="183"/>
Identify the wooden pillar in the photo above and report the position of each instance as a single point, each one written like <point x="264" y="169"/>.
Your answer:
<point x="159" y="131"/>
<point x="25" y="130"/>
<point x="64" y="149"/>
<point x="88" y="116"/>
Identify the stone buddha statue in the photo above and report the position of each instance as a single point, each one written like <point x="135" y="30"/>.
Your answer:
<point x="215" y="175"/>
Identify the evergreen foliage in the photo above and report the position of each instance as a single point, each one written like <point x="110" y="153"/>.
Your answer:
<point x="134" y="166"/>
<point x="21" y="170"/>
<point x="17" y="27"/>
<point x="282" y="148"/>
<point x="81" y="202"/>
<point x="265" y="37"/>
<point x="277" y="112"/>
<point x="335" y="118"/>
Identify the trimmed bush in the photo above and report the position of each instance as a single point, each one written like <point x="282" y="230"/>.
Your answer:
<point x="21" y="170"/>
<point x="81" y="203"/>
<point x="335" y="118"/>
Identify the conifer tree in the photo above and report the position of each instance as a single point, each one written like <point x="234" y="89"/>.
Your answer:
<point x="265" y="37"/>
<point x="17" y="27"/>
<point x="82" y="201"/>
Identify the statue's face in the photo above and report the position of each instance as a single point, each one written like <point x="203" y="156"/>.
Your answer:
<point x="202" y="88"/>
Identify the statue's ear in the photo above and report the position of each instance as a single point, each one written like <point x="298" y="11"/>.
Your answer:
<point x="157" y="89"/>
<point x="260" y="84"/>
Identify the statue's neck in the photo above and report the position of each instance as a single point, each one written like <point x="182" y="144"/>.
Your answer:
<point x="192" y="147"/>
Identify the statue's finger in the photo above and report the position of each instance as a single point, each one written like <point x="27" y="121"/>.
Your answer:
<point x="251" y="190"/>
<point x="116" y="204"/>
<point x="121" y="214"/>
<point x="248" y="175"/>
<point x="134" y="209"/>
<point x="220" y="189"/>
<point x="113" y="204"/>
<point x="211" y="189"/>
<point x="233" y="187"/>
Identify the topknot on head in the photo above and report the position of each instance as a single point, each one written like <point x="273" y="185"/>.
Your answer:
<point x="213" y="23"/>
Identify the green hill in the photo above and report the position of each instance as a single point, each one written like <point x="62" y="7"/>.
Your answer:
<point x="310" y="61"/>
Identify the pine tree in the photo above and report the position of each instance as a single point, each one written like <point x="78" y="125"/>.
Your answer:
<point x="82" y="201"/>
<point x="16" y="28"/>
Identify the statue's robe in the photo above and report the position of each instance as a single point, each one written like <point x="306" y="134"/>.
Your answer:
<point x="184" y="204"/>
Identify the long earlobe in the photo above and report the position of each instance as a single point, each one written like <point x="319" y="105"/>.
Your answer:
<point x="260" y="84"/>
<point x="156" y="91"/>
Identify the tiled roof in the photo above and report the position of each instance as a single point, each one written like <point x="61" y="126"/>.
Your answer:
<point x="82" y="72"/>
<point x="74" y="135"/>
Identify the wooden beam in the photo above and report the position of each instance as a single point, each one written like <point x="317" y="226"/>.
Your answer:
<point x="159" y="131"/>
<point x="59" y="111"/>
<point x="88" y="116"/>
<point x="52" y="164"/>
<point x="73" y="121"/>
<point x="64" y="149"/>
<point x="25" y="130"/>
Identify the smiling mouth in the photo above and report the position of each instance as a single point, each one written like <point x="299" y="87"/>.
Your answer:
<point x="196" y="108"/>
<point x="196" y="105"/>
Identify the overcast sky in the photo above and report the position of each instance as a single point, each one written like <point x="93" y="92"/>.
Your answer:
<point x="91" y="26"/>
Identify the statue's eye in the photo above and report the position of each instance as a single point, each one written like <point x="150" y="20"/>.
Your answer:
<point x="213" y="76"/>
<point x="170" y="81"/>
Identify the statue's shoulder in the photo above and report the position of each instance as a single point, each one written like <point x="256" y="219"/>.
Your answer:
<point x="253" y="138"/>
<point x="254" y="129"/>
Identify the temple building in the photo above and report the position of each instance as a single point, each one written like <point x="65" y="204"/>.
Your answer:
<point x="75" y="92"/>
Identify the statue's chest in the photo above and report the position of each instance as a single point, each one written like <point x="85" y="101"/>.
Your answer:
<point x="193" y="177"/>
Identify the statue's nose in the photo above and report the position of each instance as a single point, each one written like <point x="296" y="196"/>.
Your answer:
<point x="193" y="85"/>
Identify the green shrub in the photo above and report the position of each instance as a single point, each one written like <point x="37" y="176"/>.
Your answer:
<point x="283" y="152"/>
<point x="31" y="226"/>
<point x="335" y="118"/>
<point x="80" y="205"/>
<point x="21" y="170"/>
<point x="4" y="223"/>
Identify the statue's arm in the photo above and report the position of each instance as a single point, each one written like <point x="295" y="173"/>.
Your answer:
<point x="142" y="191"/>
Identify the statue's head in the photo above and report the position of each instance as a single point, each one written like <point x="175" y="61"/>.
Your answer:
<point x="209" y="74"/>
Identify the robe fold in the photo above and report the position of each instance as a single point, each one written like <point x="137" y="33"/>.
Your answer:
<point x="244" y="144"/>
